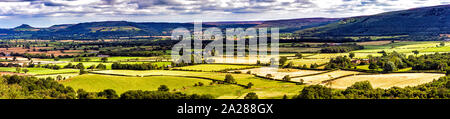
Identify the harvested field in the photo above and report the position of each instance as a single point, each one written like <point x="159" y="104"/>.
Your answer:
<point x="214" y="67"/>
<point x="308" y="62"/>
<point x="387" y="80"/>
<point x="317" y="79"/>
<point x="279" y="73"/>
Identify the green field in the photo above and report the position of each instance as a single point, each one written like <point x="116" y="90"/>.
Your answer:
<point x="39" y="71"/>
<point x="110" y="59"/>
<point x="270" y="88"/>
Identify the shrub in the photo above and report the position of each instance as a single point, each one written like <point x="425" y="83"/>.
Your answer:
<point x="251" y="95"/>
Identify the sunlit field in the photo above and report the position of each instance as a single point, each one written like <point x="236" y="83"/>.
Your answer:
<point x="387" y="80"/>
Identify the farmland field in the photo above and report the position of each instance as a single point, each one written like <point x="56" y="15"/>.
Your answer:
<point x="214" y="67"/>
<point x="173" y="79"/>
<point x="317" y="79"/>
<point x="39" y="71"/>
<point x="387" y="80"/>
<point x="308" y="62"/>
<point x="108" y="65"/>
<point x="279" y="73"/>
<point x="244" y="70"/>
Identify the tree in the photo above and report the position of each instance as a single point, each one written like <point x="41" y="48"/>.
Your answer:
<point x="269" y="75"/>
<point x="290" y="64"/>
<point x="163" y="88"/>
<point x="286" y="78"/>
<point x="229" y="79"/>
<point x="416" y="52"/>
<point x="283" y="60"/>
<point x="79" y="66"/>
<point x="249" y="85"/>
<point x="351" y="55"/>
<point x="363" y="85"/>
<point x="301" y="82"/>
<point x="373" y="66"/>
<point x="299" y="55"/>
<point x="109" y="94"/>
<point x="442" y="44"/>
<point x="315" y="92"/>
<point x="447" y="72"/>
<point x="56" y="59"/>
<point x="104" y="59"/>
<point x="101" y="66"/>
<point x="59" y="77"/>
<point x="14" y="58"/>
<point x="389" y="67"/>
<point x="25" y="70"/>
<point x="82" y="71"/>
<point x="447" y="85"/>
<point x="304" y="66"/>
<point x="251" y="95"/>
<point x="18" y="69"/>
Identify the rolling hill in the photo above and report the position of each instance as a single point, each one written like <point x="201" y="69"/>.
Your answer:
<point x="114" y="29"/>
<point x="427" y="21"/>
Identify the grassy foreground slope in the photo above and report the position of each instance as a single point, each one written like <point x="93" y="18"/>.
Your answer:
<point x="39" y="71"/>
<point x="97" y="83"/>
<point x="176" y="80"/>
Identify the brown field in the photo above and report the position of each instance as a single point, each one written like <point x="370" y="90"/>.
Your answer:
<point x="317" y="79"/>
<point x="374" y="43"/>
<point x="279" y="73"/>
<point x="385" y="81"/>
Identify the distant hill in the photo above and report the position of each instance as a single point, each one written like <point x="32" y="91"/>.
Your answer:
<point x="427" y="21"/>
<point x="25" y="27"/>
<point x="115" y="29"/>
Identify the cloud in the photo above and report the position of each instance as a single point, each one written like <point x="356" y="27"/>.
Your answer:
<point x="183" y="10"/>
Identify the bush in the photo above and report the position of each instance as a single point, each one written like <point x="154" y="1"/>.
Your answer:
<point x="249" y="85"/>
<point x="251" y="95"/>
<point x="287" y="78"/>
<point x="363" y="85"/>
<point x="163" y="88"/>
<point x="229" y="79"/>
<point x="315" y="92"/>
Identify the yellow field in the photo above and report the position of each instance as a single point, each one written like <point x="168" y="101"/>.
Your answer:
<point x="317" y="79"/>
<point x="308" y="62"/>
<point x="388" y="80"/>
<point x="333" y="55"/>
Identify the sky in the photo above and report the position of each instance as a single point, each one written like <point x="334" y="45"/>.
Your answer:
<point x="44" y="13"/>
